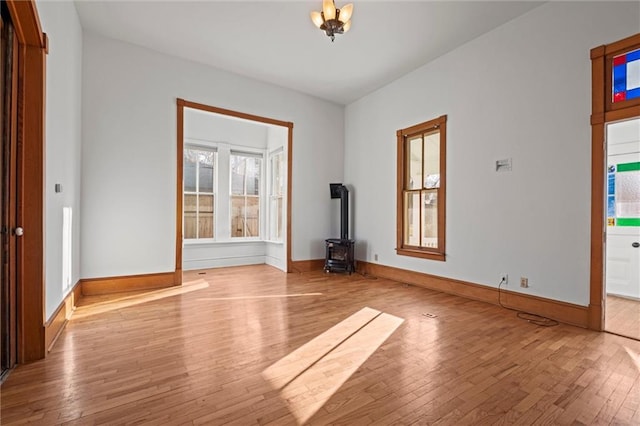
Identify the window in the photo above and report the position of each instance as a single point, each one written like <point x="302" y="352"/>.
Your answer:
<point x="276" y="192"/>
<point x="421" y="190"/>
<point x="198" y="192"/>
<point x="626" y="76"/>
<point x="245" y="194"/>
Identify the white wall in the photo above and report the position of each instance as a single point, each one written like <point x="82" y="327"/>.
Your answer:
<point x="129" y="153"/>
<point x="63" y="135"/>
<point x="522" y="91"/>
<point x="216" y="128"/>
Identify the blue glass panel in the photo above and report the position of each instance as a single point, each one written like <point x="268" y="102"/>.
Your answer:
<point x="633" y="56"/>
<point x="611" y="187"/>
<point x="633" y="94"/>
<point x="611" y="206"/>
<point x="619" y="78"/>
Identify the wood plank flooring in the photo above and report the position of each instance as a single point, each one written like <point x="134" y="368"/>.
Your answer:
<point x="622" y="316"/>
<point x="198" y="355"/>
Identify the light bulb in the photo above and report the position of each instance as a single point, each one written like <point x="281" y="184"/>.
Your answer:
<point x="346" y="27"/>
<point x="329" y="9"/>
<point x="345" y="13"/>
<point x="316" y="17"/>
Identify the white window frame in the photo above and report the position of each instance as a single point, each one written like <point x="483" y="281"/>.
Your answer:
<point x="272" y="196"/>
<point x="203" y="145"/>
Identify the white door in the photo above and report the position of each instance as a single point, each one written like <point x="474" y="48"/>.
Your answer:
<point x="623" y="213"/>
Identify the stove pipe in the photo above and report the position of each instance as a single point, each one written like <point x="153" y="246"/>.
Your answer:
<point x="338" y="190"/>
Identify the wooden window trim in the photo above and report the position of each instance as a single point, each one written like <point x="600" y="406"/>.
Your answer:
<point x="402" y="134"/>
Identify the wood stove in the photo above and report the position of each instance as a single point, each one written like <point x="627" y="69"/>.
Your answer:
<point x="339" y="254"/>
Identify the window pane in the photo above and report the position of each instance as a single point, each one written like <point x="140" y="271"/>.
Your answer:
<point x="237" y="216"/>
<point x="190" y="225"/>
<point x="190" y="203"/>
<point x="414" y="163"/>
<point x="279" y="224"/>
<point x="205" y="216"/>
<point x="412" y="218"/>
<point x="205" y="171"/>
<point x="238" y="166"/>
<point x="253" y="176"/>
<point x="432" y="160"/>
<point x="430" y="219"/>
<point x="189" y="169"/>
<point x="252" y="228"/>
<point x="277" y="181"/>
<point x="190" y="216"/>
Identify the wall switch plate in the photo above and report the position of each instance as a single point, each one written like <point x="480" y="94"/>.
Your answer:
<point x="375" y="257"/>
<point x="503" y="165"/>
<point x="524" y="282"/>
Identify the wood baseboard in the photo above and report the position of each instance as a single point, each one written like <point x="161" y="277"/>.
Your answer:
<point x="567" y="313"/>
<point x="54" y="326"/>
<point x="108" y="285"/>
<point x="307" y="265"/>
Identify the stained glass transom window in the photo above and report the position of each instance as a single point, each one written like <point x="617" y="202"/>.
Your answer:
<point x="626" y="76"/>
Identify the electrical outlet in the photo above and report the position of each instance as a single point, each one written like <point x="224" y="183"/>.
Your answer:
<point x="524" y="282"/>
<point x="504" y="278"/>
<point x="375" y="257"/>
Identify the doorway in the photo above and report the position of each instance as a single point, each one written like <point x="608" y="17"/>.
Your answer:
<point x="622" y="247"/>
<point x="233" y="188"/>
<point x="615" y="103"/>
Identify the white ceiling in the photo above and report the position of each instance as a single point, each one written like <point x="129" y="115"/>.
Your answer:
<point x="276" y="42"/>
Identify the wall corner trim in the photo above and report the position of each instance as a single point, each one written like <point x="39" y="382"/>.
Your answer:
<point x="54" y="326"/>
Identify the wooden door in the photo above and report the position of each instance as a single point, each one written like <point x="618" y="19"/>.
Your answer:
<point x="8" y="195"/>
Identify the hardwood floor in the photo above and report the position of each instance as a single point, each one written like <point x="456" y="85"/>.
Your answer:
<point x="252" y="345"/>
<point x="623" y="316"/>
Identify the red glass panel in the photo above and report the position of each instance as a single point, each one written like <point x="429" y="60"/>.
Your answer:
<point x="619" y="60"/>
<point x="620" y="96"/>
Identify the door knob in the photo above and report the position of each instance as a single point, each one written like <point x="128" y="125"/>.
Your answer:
<point x="18" y="232"/>
<point x="635" y="245"/>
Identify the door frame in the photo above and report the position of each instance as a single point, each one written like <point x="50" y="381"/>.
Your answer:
<point x="30" y="277"/>
<point x="603" y="111"/>
<point x="181" y="105"/>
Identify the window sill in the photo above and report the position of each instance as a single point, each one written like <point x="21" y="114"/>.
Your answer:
<point x="274" y="242"/>
<point x="421" y="253"/>
<point x="222" y="242"/>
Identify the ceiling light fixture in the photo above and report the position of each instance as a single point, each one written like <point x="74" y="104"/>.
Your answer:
<point x="331" y="20"/>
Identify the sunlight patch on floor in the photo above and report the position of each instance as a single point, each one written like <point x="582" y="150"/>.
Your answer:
<point x="635" y="357"/>
<point x="310" y="375"/>
<point x="136" y="299"/>
<point x="266" y="296"/>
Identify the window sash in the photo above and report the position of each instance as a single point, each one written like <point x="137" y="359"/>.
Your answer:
<point x="241" y="223"/>
<point x="201" y="217"/>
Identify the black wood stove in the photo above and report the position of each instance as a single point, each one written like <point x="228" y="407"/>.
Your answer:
<point x="339" y="255"/>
